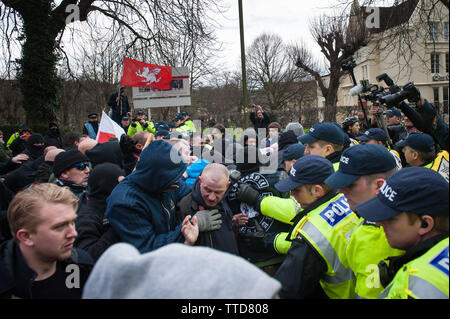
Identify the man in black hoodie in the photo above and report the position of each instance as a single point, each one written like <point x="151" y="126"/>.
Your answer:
<point x="95" y="234"/>
<point x="25" y="174"/>
<point x="53" y="136"/>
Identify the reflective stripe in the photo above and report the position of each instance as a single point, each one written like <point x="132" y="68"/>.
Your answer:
<point x="424" y="289"/>
<point x="358" y="296"/>
<point x="343" y="274"/>
<point x="385" y="292"/>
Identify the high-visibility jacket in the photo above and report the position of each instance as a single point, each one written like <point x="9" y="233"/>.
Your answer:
<point x="327" y="229"/>
<point x="283" y="210"/>
<point x="440" y="164"/>
<point x="366" y="247"/>
<point x="184" y="129"/>
<point x="425" y="277"/>
<point x="132" y="130"/>
<point x="398" y="160"/>
<point x="11" y="139"/>
<point x="336" y="166"/>
<point x="191" y="126"/>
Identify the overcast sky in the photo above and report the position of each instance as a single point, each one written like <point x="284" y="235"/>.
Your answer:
<point x="287" y="18"/>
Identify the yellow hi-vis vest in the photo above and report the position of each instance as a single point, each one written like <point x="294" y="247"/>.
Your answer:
<point x="327" y="229"/>
<point x="366" y="247"/>
<point x="132" y="130"/>
<point x="336" y="166"/>
<point x="440" y="164"/>
<point x="425" y="277"/>
<point x="283" y="210"/>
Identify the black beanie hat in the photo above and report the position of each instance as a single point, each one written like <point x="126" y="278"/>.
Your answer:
<point x="35" y="138"/>
<point x="64" y="161"/>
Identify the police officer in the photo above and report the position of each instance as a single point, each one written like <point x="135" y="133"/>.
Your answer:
<point x="278" y="208"/>
<point x="315" y="265"/>
<point x="180" y="126"/>
<point x="378" y="136"/>
<point x="140" y="124"/>
<point x="187" y="121"/>
<point x="420" y="150"/>
<point x="362" y="170"/>
<point x="412" y="207"/>
<point x="326" y="140"/>
<point x="90" y="128"/>
<point x="395" y="128"/>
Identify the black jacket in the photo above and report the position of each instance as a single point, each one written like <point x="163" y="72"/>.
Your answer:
<point x="260" y="122"/>
<point x="16" y="278"/>
<point x="118" y="111"/>
<point x="95" y="234"/>
<point x="223" y="239"/>
<point x="53" y="138"/>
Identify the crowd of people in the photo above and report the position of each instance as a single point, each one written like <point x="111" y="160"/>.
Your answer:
<point x="338" y="211"/>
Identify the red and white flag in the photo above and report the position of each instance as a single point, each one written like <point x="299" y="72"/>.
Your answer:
<point x="108" y="128"/>
<point x="140" y="74"/>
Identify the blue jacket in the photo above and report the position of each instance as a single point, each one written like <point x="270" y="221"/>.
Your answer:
<point x="139" y="209"/>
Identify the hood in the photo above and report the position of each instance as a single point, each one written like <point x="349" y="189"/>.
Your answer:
<point x="35" y="151"/>
<point x="103" y="179"/>
<point x="160" y="165"/>
<point x="167" y="273"/>
<point x="108" y="152"/>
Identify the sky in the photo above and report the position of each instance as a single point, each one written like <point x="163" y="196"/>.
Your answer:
<point x="286" y="18"/>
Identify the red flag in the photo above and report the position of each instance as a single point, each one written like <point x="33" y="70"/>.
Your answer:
<point x="108" y="128"/>
<point x="141" y="74"/>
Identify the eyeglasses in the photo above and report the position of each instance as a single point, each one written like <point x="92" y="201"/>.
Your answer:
<point x="80" y="166"/>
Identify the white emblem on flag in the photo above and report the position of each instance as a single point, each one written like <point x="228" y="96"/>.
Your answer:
<point x="149" y="75"/>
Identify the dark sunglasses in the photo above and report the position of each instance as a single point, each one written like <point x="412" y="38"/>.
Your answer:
<point x="80" y="166"/>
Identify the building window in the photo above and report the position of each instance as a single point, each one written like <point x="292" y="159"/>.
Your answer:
<point x="365" y="73"/>
<point x="446" y="31"/>
<point x="436" y="98"/>
<point x="445" y="104"/>
<point x="446" y="62"/>
<point x="434" y="32"/>
<point x="434" y="63"/>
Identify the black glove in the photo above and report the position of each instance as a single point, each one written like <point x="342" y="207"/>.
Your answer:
<point x="255" y="241"/>
<point x="133" y="124"/>
<point x="248" y="195"/>
<point x="144" y="125"/>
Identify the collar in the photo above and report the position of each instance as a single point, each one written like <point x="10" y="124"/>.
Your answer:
<point x="390" y="269"/>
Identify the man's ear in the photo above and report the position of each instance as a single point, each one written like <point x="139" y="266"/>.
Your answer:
<point x="427" y="224"/>
<point x="24" y="237"/>
<point x="329" y="149"/>
<point x="378" y="183"/>
<point x="64" y="175"/>
<point x="317" y="191"/>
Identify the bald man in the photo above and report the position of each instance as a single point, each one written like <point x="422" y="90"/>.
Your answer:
<point x="210" y="193"/>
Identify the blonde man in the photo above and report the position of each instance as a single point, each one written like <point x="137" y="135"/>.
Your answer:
<point x="40" y="261"/>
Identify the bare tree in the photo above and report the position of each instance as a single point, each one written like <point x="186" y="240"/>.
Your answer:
<point x="271" y="71"/>
<point x="338" y="40"/>
<point x="403" y="29"/>
<point x="40" y="25"/>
